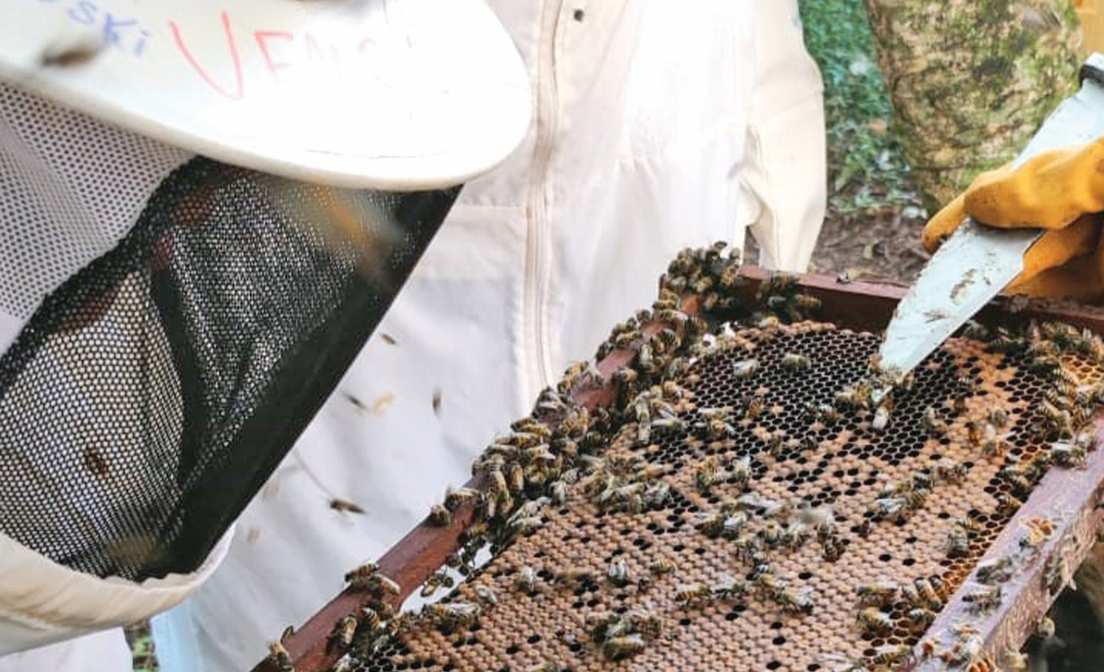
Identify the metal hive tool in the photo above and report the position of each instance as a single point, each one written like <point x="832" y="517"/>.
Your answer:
<point x="752" y="538"/>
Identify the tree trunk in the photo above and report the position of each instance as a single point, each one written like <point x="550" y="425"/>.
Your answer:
<point x="971" y="80"/>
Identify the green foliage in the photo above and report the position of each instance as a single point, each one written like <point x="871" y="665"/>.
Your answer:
<point x="141" y="649"/>
<point x="867" y="171"/>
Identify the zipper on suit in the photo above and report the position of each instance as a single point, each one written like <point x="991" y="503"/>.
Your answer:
<point x="538" y="258"/>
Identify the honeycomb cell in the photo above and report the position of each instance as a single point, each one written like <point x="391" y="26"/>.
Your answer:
<point x="767" y="565"/>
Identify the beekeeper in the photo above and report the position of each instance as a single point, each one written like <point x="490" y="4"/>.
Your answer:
<point x="650" y="127"/>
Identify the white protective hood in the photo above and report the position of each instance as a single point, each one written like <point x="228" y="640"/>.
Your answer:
<point x="386" y="94"/>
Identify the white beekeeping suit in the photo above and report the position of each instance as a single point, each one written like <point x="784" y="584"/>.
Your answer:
<point x="204" y="211"/>
<point x="657" y="125"/>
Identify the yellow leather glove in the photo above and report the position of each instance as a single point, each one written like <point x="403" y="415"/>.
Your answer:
<point x="1058" y="191"/>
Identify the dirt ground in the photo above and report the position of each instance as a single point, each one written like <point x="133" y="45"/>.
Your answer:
<point x="880" y="245"/>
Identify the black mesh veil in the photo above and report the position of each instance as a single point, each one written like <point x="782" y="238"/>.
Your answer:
<point x="153" y="393"/>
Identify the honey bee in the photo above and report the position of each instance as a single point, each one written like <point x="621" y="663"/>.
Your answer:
<point x="921" y="617"/>
<point x="280" y="657"/>
<point x="950" y="471"/>
<point x="795" y="363"/>
<point x="1045" y="628"/>
<point x="1038" y="531"/>
<point x="740" y="470"/>
<point x="874" y="620"/>
<point x="435" y="582"/>
<point x="998" y="417"/>
<point x="526" y="580"/>
<point x="973" y="432"/>
<point x="662" y="566"/>
<point x="1068" y="455"/>
<point x="439" y="516"/>
<point x="877" y="594"/>
<point x="881" y="419"/>
<point x="344" y="631"/>
<point x="958" y="542"/>
<point x="891" y="655"/>
<point x="618" y="573"/>
<point x="692" y="593"/>
<point x="619" y="648"/>
<point x="346" y="663"/>
<point x="1007" y="504"/>
<point x="746" y="368"/>
<point x="727" y="588"/>
<point x="706" y="474"/>
<point x="452" y="616"/>
<point x="984" y="599"/>
<point x="996" y="570"/>
<point x="833" y="547"/>
<point x="792" y="601"/>
<point x="362" y="573"/>
<point x="486" y="596"/>
<point x="371" y="618"/>
<point x="934" y="424"/>
<point x="573" y="576"/>
<point x="928" y="591"/>
<point x="754" y="408"/>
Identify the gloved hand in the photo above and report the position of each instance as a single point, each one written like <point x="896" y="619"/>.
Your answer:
<point x="1059" y="191"/>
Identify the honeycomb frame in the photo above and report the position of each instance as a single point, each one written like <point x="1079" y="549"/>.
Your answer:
<point x="854" y="305"/>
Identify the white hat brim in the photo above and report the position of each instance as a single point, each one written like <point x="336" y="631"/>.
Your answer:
<point x="385" y="94"/>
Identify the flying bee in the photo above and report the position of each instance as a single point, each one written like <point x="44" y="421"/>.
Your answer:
<point x="662" y="566"/>
<point x="795" y="363"/>
<point x="692" y="593"/>
<point x="435" y="582"/>
<point x="619" y="648"/>
<point x="526" y="579"/>
<point x="995" y="571"/>
<point x="618" y="573"/>
<point x="984" y="599"/>
<point x="934" y="424"/>
<point x="874" y="620"/>
<point x="877" y="594"/>
<point x="746" y="368"/>
<point x="279" y="655"/>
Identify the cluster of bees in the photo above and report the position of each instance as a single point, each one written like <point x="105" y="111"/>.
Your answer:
<point x="560" y="450"/>
<point x="620" y="635"/>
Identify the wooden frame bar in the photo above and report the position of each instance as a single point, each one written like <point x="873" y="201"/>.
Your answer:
<point x="1068" y="499"/>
